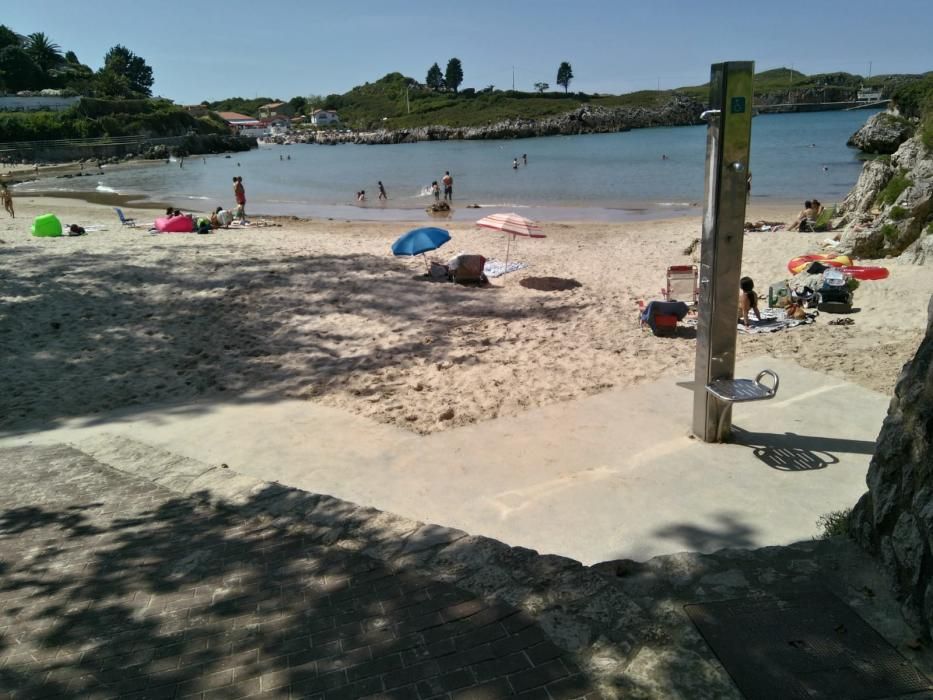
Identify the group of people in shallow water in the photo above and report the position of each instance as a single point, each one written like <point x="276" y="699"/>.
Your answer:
<point x="447" y="180"/>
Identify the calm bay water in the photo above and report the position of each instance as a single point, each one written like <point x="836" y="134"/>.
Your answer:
<point x="598" y="176"/>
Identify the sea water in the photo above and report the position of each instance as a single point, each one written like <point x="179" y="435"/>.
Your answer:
<point x="634" y="174"/>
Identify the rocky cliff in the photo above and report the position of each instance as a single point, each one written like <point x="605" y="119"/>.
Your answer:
<point x="680" y="110"/>
<point x="889" y="212"/>
<point x="894" y="519"/>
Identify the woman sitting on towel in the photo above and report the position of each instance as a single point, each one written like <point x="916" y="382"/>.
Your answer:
<point x="748" y="300"/>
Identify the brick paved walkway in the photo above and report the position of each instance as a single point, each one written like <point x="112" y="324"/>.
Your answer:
<point x="111" y="586"/>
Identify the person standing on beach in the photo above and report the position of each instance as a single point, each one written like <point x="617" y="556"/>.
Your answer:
<point x="448" y="186"/>
<point x="7" y="197"/>
<point x="239" y="194"/>
<point x="382" y="191"/>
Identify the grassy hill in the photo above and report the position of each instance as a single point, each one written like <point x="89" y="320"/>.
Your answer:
<point x="383" y="104"/>
<point x="399" y="102"/>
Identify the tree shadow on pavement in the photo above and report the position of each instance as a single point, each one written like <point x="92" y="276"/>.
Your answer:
<point x="113" y="586"/>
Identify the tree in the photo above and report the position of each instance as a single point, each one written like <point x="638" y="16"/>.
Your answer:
<point x="564" y="75"/>
<point x="18" y="71"/>
<point x="454" y="74"/>
<point x="122" y="62"/>
<point x="9" y="38"/>
<point x="298" y="104"/>
<point x="435" y="79"/>
<point x="41" y="50"/>
<point x="541" y="87"/>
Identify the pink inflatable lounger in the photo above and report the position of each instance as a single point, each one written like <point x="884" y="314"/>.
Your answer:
<point x="174" y="224"/>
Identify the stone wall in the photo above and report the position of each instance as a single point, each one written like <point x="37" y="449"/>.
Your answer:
<point x="894" y="519"/>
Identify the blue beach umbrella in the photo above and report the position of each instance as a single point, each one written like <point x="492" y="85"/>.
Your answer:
<point x="420" y="241"/>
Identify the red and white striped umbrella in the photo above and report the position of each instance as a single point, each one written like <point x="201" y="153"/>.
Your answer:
<point x="512" y="224"/>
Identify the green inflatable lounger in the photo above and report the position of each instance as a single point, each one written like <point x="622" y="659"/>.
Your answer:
<point x="47" y="226"/>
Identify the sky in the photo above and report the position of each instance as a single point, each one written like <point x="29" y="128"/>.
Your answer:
<point x="211" y="49"/>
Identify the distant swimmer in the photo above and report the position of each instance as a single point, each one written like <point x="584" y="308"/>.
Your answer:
<point x="825" y="168"/>
<point x="524" y="159"/>
<point x="515" y="164"/>
<point x="664" y="156"/>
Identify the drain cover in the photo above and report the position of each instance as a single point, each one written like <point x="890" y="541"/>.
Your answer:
<point x="811" y="647"/>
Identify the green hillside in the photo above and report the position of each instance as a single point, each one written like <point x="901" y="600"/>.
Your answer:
<point x="383" y="104"/>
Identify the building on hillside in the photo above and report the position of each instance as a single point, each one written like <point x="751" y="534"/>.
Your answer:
<point x="324" y="117"/>
<point x="276" y="109"/>
<point x="241" y="124"/>
<point x="276" y="126"/>
<point x="197" y="110"/>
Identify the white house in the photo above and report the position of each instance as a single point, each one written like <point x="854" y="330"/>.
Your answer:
<point x="324" y="117"/>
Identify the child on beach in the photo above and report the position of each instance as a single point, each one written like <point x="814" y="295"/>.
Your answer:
<point x="239" y="194"/>
<point x="748" y="299"/>
<point x="7" y="198"/>
<point x="435" y="188"/>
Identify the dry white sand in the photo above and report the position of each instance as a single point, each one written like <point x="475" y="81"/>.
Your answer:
<point x="322" y="311"/>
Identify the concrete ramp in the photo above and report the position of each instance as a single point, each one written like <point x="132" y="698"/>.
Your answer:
<point x="615" y="475"/>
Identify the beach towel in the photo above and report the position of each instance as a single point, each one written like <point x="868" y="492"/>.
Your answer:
<point x="772" y="321"/>
<point x="497" y="268"/>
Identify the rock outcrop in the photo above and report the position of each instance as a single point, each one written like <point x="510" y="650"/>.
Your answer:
<point x="882" y="133"/>
<point x="680" y="110"/>
<point x="889" y="212"/>
<point x="894" y="519"/>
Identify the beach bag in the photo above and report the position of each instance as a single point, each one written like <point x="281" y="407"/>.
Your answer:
<point x="467" y="268"/>
<point x="778" y="294"/>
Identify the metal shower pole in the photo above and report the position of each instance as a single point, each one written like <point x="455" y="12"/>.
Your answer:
<point x="728" y="142"/>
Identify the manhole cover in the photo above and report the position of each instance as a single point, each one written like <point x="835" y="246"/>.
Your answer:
<point x="810" y="646"/>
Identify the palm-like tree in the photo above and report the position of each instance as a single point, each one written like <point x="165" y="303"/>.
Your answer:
<point x="41" y="50"/>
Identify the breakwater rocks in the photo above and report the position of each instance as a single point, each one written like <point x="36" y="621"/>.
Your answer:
<point x="198" y="144"/>
<point x="883" y="133"/>
<point x="680" y="110"/>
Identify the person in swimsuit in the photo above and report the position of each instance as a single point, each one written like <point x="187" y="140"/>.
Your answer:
<point x="748" y="300"/>
<point x="382" y="191"/>
<point x="448" y="186"/>
<point x="7" y="197"/>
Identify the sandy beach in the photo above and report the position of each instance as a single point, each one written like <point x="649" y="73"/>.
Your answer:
<point x="321" y="311"/>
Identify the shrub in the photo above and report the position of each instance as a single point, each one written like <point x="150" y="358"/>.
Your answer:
<point x="893" y="189"/>
<point x="898" y="213"/>
<point x="890" y="232"/>
<point x="834" y="524"/>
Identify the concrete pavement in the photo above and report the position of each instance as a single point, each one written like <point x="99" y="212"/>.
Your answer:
<point x="609" y="476"/>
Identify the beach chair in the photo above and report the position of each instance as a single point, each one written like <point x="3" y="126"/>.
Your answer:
<point x="662" y="317"/>
<point x="682" y="284"/>
<point x="124" y="220"/>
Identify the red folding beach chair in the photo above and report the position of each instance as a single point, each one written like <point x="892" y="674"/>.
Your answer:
<point x="682" y="284"/>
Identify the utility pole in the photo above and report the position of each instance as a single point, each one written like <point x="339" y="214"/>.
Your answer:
<point x="513" y="78"/>
<point x="869" y="70"/>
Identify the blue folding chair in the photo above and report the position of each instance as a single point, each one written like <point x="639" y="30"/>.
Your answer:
<point x="124" y="220"/>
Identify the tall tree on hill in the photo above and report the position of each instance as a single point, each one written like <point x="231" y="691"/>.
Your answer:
<point x="435" y="79"/>
<point x="41" y="50"/>
<point x="18" y="71"/>
<point x="541" y="87"/>
<point x="298" y="104"/>
<point x="454" y="74"/>
<point x="122" y="62"/>
<point x="9" y="38"/>
<point x="564" y="75"/>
